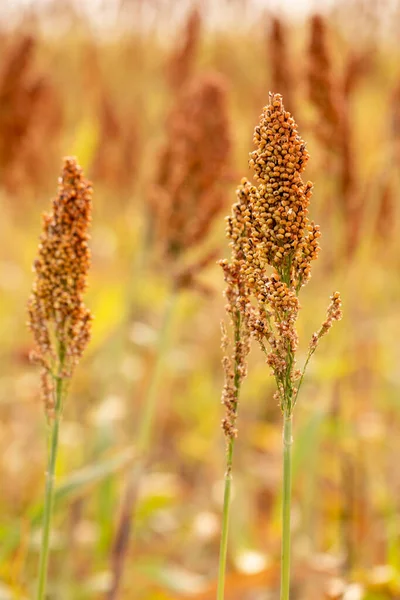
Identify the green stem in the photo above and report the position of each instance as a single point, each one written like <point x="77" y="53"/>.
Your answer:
<point x="286" y="504"/>
<point x="144" y="436"/>
<point x="225" y="522"/>
<point x="49" y="492"/>
<point x="228" y="473"/>
<point x="150" y="401"/>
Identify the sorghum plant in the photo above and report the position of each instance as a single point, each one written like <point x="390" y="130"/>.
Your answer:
<point x="273" y="243"/>
<point x="58" y="318"/>
<point x="234" y="360"/>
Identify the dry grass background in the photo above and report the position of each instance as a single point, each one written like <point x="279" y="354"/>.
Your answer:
<point x="106" y="94"/>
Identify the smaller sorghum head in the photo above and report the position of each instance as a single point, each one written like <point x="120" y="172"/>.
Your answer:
<point x="58" y="318"/>
<point x="189" y="188"/>
<point x="237" y="347"/>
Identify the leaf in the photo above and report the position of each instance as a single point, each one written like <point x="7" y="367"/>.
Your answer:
<point x="73" y="485"/>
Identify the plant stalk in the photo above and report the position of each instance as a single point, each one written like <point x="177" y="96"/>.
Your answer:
<point x="150" y="401"/>
<point x="228" y="474"/>
<point x="286" y="506"/>
<point x="225" y="522"/>
<point x="124" y="526"/>
<point x="49" y="492"/>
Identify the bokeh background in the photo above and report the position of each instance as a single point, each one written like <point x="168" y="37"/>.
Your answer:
<point x="100" y="80"/>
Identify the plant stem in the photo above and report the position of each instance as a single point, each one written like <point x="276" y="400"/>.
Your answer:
<point x="286" y="504"/>
<point x="225" y="522"/>
<point x="49" y="492"/>
<point x="228" y="472"/>
<point x="150" y="401"/>
<point x="121" y="540"/>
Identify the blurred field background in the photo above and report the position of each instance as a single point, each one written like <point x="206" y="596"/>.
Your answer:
<point x="100" y="82"/>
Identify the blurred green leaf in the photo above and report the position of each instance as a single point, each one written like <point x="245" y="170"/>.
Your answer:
<point x="77" y="483"/>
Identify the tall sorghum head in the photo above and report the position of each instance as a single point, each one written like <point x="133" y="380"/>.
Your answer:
<point x="274" y="243"/>
<point x="189" y="191"/>
<point x="58" y="317"/>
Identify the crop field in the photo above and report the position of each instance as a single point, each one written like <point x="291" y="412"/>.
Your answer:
<point x="113" y="377"/>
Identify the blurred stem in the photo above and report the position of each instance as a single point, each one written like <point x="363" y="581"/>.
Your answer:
<point x="49" y="491"/>
<point x="144" y="438"/>
<point x="286" y="505"/>
<point x="228" y="473"/>
<point x="225" y="522"/>
<point x="150" y="400"/>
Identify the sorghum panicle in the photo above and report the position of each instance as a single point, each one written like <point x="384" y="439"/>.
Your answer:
<point x="236" y="293"/>
<point x="58" y="317"/>
<point x="270" y="229"/>
<point x="188" y="192"/>
<point x="281" y="234"/>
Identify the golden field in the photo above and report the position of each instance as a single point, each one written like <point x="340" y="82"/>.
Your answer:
<point x="106" y="86"/>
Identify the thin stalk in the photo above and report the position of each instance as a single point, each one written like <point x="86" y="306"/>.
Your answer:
<point x="144" y="437"/>
<point x="49" y="492"/>
<point x="150" y="401"/>
<point x="228" y="475"/>
<point x="286" y="505"/>
<point x="225" y="523"/>
<point x="309" y="355"/>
